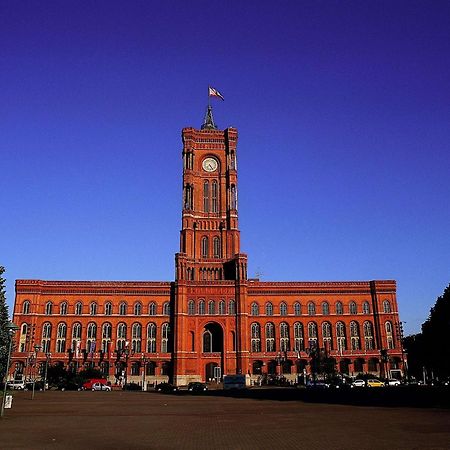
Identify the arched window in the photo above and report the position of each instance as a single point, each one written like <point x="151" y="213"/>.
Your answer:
<point x="49" y="308"/>
<point x="78" y="309"/>
<point x="201" y="307"/>
<point x="166" y="309"/>
<point x="269" y="309"/>
<point x="93" y="309"/>
<point x="389" y="335"/>
<point x="284" y="337"/>
<point x="233" y="201"/>
<point x="152" y="309"/>
<point x="311" y="309"/>
<point x="368" y="335"/>
<point x="352" y="307"/>
<point x="222" y="308"/>
<point x="327" y="336"/>
<point x="204" y="247"/>
<point x="255" y="309"/>
<point x="191" y="307"/>
<point x="151" y="338"/>
<point x="366" y="308"/>
<point x="341" y="337"/>
<point x="325" y="308"/>
<point x="61" y="334"/>
<point x="297" y="309"/>
<point x="283" y="309"/>
<point x="211" y="307"/>
<point x="91" y="337"/>
<point x="354" y="335"/>
<point x="26" y="307"/>
<point x="216" y="247"/>
<point x="387" y="306"/>
<point x="339" y="308"/>
<point x="121" y="336"/>
<point x="63" y="309"/>
<point x="46" y="336"/>
<point x="76" y="338"/>
<point x="270" y="337"/>
<point x="298" y="337"/>
<point x="108" y="309"/>
<point x="137" y="309"/>
<point x="206" y="196"/>
<point x="165" y="329"/>
<point x="123" y="309"/>
<point x="106" y="337"/>
<point x="214" y="196"/>
<point x="312" y="334"/>
<point x="207" y="341"/>
<point x="23" y="337"/>
<point x="232" y="307"/>
<point x="136" y="338"/>
<point x="256" y="337"/>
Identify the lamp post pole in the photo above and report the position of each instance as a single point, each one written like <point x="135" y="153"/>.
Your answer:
<point x="144" y="364"/>
<point x="11" y="328"/>
<point x="36" y="349"/>
<point x="47" y="357"/>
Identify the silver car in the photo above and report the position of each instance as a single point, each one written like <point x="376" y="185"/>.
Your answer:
<point x="100" y="387"/>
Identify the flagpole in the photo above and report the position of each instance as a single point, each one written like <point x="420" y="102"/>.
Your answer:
<point x="209" y="99"/>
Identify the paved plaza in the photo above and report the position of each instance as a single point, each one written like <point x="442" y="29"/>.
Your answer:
<point x="149" y="420"/>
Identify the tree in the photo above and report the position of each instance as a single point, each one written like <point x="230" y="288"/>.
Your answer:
<point x="435" y="332"/>
<point x="429" y="349"/>
<point x="4" y="338"/>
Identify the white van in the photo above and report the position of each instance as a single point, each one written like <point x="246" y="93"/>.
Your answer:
<point x="16" y="384"/>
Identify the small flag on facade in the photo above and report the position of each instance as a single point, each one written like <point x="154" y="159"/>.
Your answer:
<point x="215" y="93"/>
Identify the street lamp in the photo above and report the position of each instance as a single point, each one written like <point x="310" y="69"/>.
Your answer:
<point x="144" y="364"/>
<point x="48" y="356"/>
<point x="11" y="328"/>
<point x="36" y="349"/>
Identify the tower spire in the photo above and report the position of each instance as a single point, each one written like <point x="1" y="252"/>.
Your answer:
<point x="208" y="121"/>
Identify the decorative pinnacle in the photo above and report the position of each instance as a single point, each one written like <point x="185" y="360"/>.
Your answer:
<point x="208" y="121"/>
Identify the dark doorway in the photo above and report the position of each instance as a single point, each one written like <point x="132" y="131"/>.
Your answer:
<point x="257" y="367"/>
<point x="209" y="374"/>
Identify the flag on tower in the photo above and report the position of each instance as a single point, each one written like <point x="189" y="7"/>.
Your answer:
<point x="215" y="93"/>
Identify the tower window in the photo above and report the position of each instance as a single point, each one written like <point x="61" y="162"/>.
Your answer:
<point x="204" y="247"/>
<point x="214" y="196"/>
<point x="216" y="247"/>
<point x="26" y="307"/>
<point x="206" y="196"/>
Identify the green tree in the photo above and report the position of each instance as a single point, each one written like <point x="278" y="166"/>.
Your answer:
<point x="429" y="348"/>
<point x="4" y="338"/>
<point x="435" y="332"/>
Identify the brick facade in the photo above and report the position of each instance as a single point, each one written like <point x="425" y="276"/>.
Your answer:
<point x="212" y="315"/>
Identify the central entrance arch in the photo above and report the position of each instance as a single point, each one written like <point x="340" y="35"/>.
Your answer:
<point x="212" y="346"/>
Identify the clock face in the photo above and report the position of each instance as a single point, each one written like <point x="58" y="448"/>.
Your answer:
<point x="209" y="164"/>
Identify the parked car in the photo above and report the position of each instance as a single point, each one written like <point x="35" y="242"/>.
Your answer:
<point x="197" y="387"/>
<point x="393" y="382"/>
<point x="89" y="383"/>
<point x="317" y="385"/>
<point x="100" y="387"/>
<point x="166" y="388"/>
<point x="16" y="384"/>
<point x="358" y="383"/>
<point x="374" y="383"/>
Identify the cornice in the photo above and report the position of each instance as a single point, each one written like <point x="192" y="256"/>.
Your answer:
<point x="93" y="287"/>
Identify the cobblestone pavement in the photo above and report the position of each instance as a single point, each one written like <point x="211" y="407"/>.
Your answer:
<point x="148" y="420"/>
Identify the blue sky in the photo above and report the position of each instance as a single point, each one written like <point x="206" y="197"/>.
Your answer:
<point x="343" y="113"/>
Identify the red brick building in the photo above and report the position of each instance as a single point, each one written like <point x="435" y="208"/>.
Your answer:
<point x="212" y="316"/>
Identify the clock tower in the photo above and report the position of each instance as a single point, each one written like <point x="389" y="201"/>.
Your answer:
<point x="209" y="238"/>
<point x="209" y="268"/>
